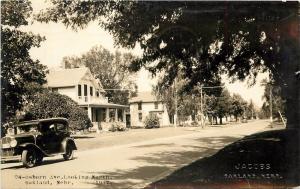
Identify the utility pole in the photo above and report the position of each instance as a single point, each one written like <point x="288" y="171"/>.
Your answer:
<point x="201" y="100"/>
<point x="175" y="96"/>
<point x="271" y="107"/>
<point x="201" y="106"/>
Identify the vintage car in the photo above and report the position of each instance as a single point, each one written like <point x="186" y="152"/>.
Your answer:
<point x="31" y="141"/>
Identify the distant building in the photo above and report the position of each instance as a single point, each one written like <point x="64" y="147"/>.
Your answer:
<point x="144" y="104"/>
<point x="80" y="85"/>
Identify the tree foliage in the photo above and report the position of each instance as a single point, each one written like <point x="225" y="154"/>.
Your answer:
<point x="222" y="104"/>
<point x="21" y="76"/>
<point x="237" y="106"/>
<point x="203" y="39"/>
<point x="51" y="104"/>
<point x="110" y="68"/>
<point x="217" y="101"/>
<point x="188" y="101"/>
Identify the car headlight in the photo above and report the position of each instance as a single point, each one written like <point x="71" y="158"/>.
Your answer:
<point x="13" y="143"/>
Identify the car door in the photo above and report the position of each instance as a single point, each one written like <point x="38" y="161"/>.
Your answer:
<point x="49" y="138"/>
<point x="62" y="133"/>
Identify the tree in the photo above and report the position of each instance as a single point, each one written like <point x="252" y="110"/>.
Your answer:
<point x="21" y="76"/>
<point x="168" y="98"/>
<point x="188" y="101"/>
<point x="203" y="39"/>
<point x="237" y="106"/>
<point x="251" y="110"/>
<point x="222" y="104"/>
<point x="278" y="102"/>
<point x="50" y="104"/>
<point x="209" y="108"/>
<point x="111" y="69"/>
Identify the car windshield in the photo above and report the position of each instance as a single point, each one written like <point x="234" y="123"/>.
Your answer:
<point x="26" y="128"/>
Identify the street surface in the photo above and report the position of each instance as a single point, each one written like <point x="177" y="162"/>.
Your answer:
<point x="131" y="163"/>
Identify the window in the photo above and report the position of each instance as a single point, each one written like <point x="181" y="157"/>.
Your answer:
<point x="79" y="90"/>
<point x="155" y="105"/>
<point x="140" y="116"/>
<point x="85" y="90"/>
<point x="26" y="128"/>
<point x="140" y="106"/>
<point x="60" y="127"/>
<point x="97" y="93"/>
<point x="91" y="91"/>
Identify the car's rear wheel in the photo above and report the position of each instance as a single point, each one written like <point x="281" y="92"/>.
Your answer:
<point x="69" y="152"/>
<point x="29" y="158"/>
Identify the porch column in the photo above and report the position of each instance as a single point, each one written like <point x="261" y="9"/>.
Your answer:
<point x="116" y="114"/>
<point x="124" y="116"/>
<point x="107" y="115"/>
<point x="90" y="113"/>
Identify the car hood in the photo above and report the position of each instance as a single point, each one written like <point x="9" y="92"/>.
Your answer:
<point x="25" y="137"/>
<point x="31" y="134"/>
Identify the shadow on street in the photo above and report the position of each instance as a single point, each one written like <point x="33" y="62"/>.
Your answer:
<point x="264" y="160"/>
<point x="159" y="164"/>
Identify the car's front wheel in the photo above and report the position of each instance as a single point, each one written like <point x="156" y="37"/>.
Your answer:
<point x="69" y="152"/>
<point x="39" y="158"/>
<point x="29" y="157"/>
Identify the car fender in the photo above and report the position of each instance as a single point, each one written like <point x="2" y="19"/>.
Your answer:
<point x="66" y="141"/>
<point x="35" y="147"/>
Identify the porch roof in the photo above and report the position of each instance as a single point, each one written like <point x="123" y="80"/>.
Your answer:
<point x="105" y="105"/>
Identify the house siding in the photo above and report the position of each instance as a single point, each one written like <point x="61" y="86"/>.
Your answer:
<point x="68" y="91"/>
<point x="147" y="107"/>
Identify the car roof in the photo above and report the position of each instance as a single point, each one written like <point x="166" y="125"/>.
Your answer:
<point x="32" y="122"/>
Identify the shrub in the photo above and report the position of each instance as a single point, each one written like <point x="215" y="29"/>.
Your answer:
<point x="117" y="126"/>
<point x="50" y="104"/>
<point x="121" y="126"/>
<point x="151" y="121"/>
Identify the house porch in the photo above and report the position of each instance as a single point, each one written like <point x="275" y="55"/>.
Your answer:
<point x="105" y="115"/>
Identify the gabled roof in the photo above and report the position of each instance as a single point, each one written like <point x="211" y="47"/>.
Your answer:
<point x="65" y="77"/>
<point x="70" y="77"/>
<point x="144" y="97"/>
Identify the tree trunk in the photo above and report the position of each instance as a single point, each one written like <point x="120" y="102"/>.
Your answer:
<point x="216" y="120"/>
<point x="210" y="120"/>
<point x="290" y="69"/>
<point x="220" y="120"/>
<point x="292" y="107"/>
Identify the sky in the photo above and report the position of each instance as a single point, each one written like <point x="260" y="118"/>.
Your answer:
<point x="61" y="41"/>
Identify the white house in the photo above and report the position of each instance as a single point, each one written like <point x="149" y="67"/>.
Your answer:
<point x="80" y="85"/>
<point x="144" y="104"/>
